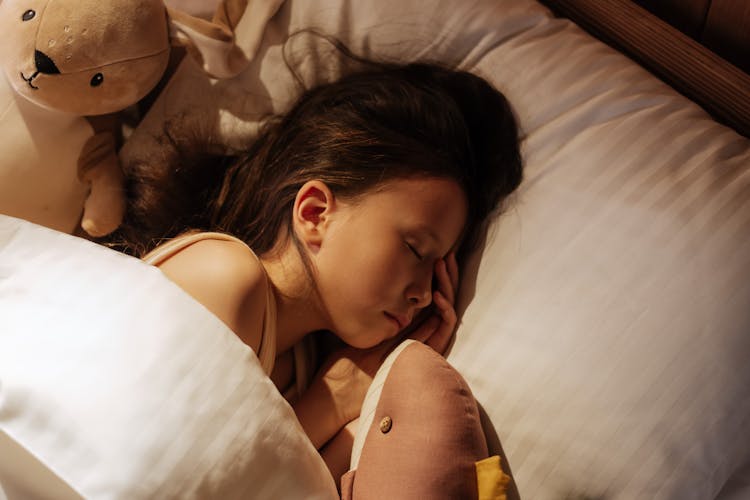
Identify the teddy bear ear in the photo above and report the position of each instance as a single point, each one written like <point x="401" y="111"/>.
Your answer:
<point x="224" y="46"/>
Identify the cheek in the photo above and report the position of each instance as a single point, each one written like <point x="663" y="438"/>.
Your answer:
<point x="367" y="274"/>
<point x="371" y="274"/>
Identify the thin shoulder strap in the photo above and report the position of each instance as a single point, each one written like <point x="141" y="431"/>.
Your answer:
<point x="163" y="252"/>
<point x="267" y="350"/>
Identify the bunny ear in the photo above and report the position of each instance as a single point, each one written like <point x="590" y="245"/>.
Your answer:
<point x="224" y="46"/>
<point x="211" y="44"/>
<point x="248" y="19"/>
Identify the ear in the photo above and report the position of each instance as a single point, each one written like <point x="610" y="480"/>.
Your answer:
<point x="223" y="47"/>
<point x="312" y="211"/>
<point x="211" y="44"/>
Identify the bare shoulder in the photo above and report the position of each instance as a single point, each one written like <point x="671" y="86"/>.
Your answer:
<point x="227" y="279"/>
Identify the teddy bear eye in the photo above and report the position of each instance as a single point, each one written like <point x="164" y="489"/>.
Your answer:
<point x="28" y="15"/>
<point x="97" y="80"/>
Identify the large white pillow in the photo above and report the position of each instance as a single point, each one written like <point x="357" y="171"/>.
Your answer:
<point x="230" y="111"/>
<point x="606" y="328"/>
<point x="114" y="383"/>
<point x="608" y="331"/>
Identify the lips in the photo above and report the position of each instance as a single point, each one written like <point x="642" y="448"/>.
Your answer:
<point x="402" y="320"/>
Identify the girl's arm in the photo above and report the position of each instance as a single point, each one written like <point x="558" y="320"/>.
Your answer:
<point x="337" y="452"/>
<point x="335" y="395"/>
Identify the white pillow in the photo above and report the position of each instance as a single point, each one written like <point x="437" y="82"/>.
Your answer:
<point x="230" y="111"/>
<point x="607" y="333"/>
<point x="114" y="383"/>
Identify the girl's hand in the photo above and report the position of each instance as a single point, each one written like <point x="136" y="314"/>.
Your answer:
<point x="437" y="329"/>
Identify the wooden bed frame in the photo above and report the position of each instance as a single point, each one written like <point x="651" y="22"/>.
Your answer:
<point x="689" y="67"/>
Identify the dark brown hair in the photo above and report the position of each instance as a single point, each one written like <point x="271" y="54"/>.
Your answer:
<point x="355" y="134"/>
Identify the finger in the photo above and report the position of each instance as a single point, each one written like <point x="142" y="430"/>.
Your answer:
<point x="445" y="285"/>
<point x="441" y="337"/>
<point x="445" y="308"/>
<point x="452" y="266"/>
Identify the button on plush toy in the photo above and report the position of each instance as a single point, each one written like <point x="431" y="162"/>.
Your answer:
<point x="63" y="62"/>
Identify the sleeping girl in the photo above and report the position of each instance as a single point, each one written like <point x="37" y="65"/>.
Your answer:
<point x="348" y="215"/>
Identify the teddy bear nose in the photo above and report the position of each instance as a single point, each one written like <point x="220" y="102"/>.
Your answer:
<point x="44" y="64"/>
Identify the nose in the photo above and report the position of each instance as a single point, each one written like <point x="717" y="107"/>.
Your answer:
<point x="44" y="64"/>
<point x="419" y="293"/>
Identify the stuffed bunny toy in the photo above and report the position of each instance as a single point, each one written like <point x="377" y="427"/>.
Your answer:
<point x="421" y="435"/>
<point x="65" y="65"/>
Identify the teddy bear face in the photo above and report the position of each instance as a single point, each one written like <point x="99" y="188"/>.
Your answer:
<point x="86" y="57"/>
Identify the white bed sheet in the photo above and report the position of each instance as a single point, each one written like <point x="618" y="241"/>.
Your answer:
<point x="114" y="383"/>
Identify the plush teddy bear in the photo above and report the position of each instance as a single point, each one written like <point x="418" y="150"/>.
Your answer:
<point x="66" y="61"/>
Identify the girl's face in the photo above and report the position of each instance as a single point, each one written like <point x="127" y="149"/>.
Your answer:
<point x="375" y="260"/>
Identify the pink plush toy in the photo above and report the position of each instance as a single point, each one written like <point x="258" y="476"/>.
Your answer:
<point x="64" y="62"/>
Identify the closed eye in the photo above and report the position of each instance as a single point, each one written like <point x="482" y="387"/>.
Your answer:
<point x="414" y="251"/>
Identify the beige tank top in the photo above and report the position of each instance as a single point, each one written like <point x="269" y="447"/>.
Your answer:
<point x="304" y="351"/>
<point x="267" y="350"/>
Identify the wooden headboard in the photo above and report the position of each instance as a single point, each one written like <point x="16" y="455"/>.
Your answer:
<point x="721" y="25"/>
<point x="689" y="66"/>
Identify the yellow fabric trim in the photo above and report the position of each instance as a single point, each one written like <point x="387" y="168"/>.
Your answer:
<point x="491" y="480"/>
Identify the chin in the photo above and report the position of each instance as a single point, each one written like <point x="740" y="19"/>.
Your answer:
<point x="366" y="341"/>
